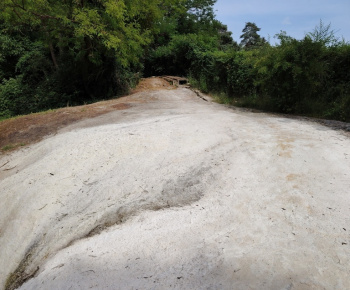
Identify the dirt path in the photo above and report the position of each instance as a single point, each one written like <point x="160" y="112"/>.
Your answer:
<point x="25" y="130"/>
<point x="174" y="192"/>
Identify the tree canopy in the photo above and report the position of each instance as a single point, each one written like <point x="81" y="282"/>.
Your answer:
<point x="250" y="36"/>
<point x="64" y="52"/>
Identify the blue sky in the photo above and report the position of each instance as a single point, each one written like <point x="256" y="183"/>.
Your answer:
<point x="296" y="17"/>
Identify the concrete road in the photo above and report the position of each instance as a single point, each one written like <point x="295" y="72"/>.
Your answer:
<point x="174" y="192"/>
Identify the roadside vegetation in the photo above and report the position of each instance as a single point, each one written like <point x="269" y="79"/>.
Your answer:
<point x="64" y="53"/>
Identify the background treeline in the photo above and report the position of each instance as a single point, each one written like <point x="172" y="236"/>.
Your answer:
<point x="65" y="52"/>
<point x="310" y="76"/>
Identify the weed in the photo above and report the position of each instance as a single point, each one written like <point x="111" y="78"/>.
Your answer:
<point x="10" y="147"/>
<point x="222" y="98"/>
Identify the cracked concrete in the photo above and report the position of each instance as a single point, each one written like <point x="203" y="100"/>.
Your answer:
<point x="176" y="192"/>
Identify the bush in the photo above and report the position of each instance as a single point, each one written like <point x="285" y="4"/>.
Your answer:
<point x="241" y="74"/>
<point x="14" y="98"/>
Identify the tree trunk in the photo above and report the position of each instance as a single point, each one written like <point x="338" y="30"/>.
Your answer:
<point x="53" y="56"/>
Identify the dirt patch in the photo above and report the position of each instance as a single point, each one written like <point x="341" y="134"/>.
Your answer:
<point x="32" y="128"/>
<point x="122" y="106"/>
<point x="27" y="129"/>
<point x="153" y="83"/>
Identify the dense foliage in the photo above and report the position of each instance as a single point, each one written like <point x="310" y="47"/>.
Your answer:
<point x="57" y="53"/>
<point x="310" y="76"/>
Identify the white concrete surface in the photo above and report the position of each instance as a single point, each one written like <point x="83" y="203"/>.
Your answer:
<point x="179" y="193"/>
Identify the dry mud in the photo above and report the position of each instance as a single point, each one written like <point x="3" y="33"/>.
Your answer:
<point x="173" y="192"/>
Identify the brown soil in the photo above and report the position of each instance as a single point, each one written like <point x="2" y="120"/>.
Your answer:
<point x="24" y="130"/>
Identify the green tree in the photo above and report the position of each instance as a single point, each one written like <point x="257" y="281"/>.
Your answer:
<point x="250" y="36"/>
<point x="85" y="26"/>
<point x="94" y="47"/>
<point x="325" y="34"/>
<point x="201" y="10"/>
<point x="198" y="17"/>
<point x="225" y="36"/>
